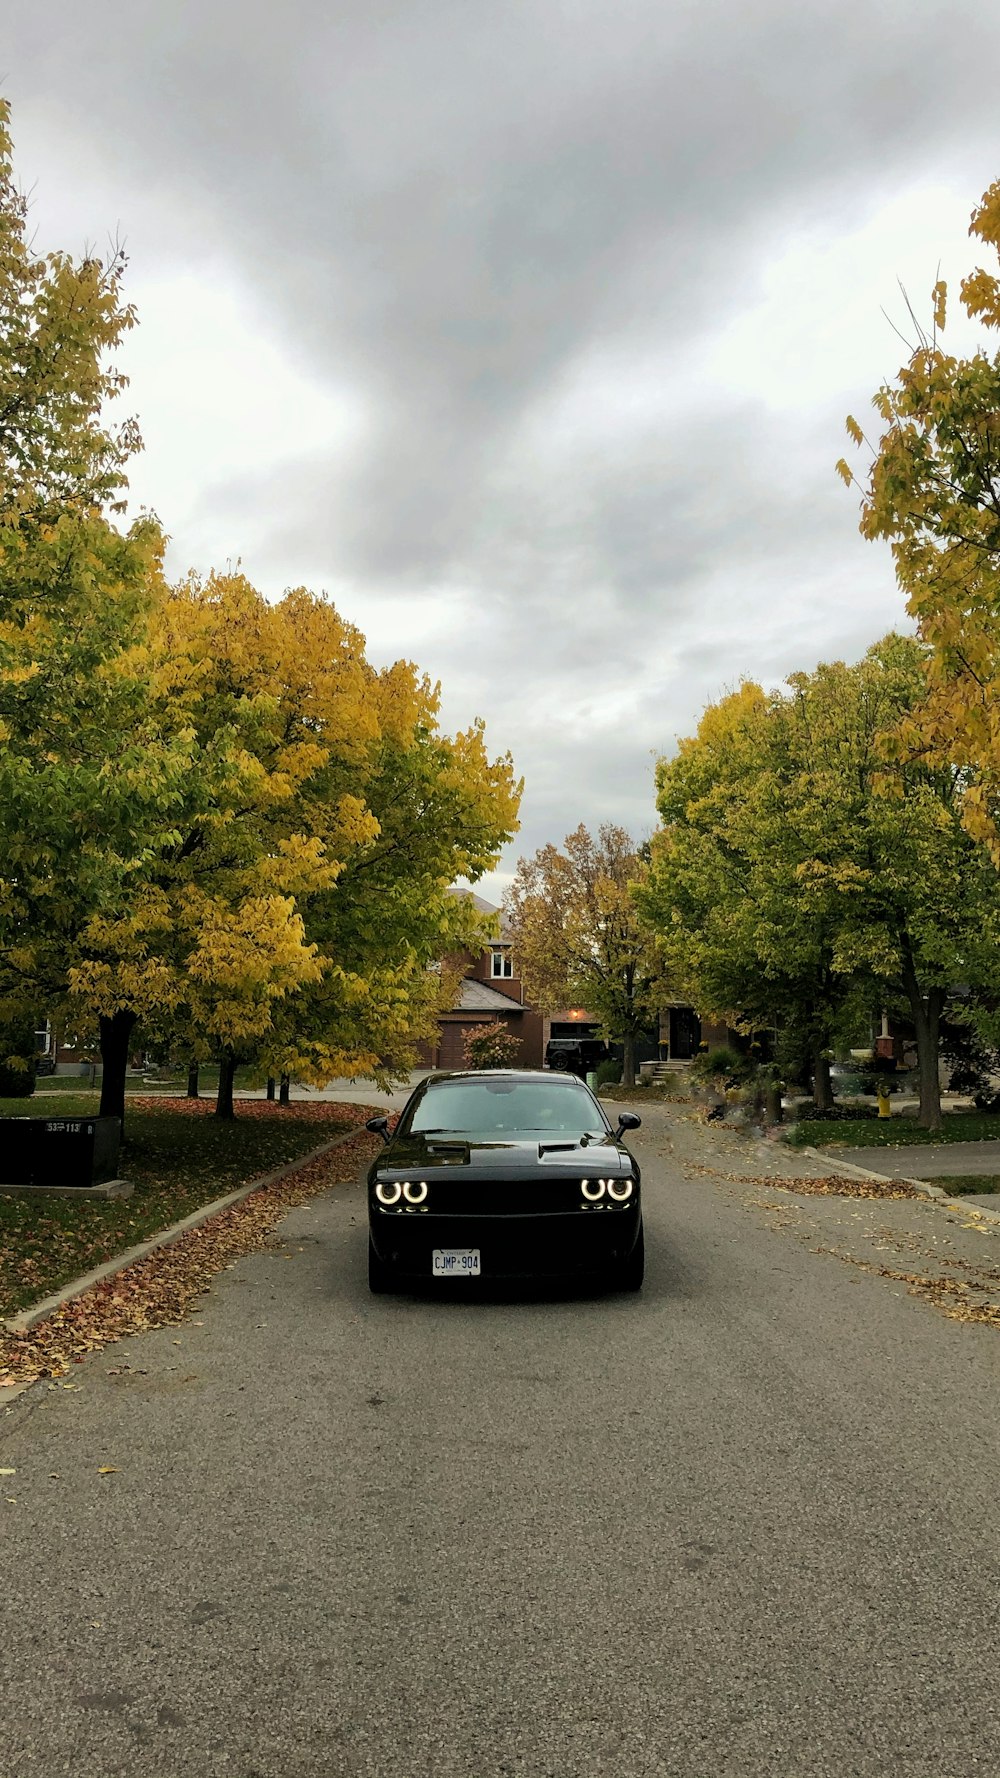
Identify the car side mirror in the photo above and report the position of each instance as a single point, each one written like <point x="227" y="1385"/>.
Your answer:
<point x="628" y="1120"/>
<point x="379" y="1126"/>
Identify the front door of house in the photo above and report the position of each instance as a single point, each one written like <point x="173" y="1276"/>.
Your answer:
<point x="685" y="1033"/>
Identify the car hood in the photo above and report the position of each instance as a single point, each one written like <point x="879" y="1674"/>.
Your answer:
<point x="422" y="1154"/>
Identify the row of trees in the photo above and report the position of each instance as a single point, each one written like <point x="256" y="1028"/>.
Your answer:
<point x="808" y="871"/>
<point x="217" y="818"/>
<point x="812" y="867"/>
<point x="832" y="847"/>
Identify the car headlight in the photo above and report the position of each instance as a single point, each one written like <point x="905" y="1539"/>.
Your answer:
<point x="592" y="1189"/>
<point x="388" y="1191"/>
<point x="620" y="1189"/>
<point x="415" y="1191"/>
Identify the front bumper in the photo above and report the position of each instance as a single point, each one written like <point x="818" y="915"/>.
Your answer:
<point x="565" y="1245"/>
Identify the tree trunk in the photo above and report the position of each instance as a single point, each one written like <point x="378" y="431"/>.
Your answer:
<point x="284" y="1090"/>
<point x="822" y="1090"/>
<point x="224" y="1102"/>
<point x="772" y="1102"/>
<point x="192" y="1087"/>
<point x="925" y="1010"/>
<point x="115" y="1035"/>
<point x="270" y="1086"/>
<point x="628" y="1059"/>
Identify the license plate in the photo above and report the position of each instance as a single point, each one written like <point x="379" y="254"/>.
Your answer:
<point x="455" y="1262"/>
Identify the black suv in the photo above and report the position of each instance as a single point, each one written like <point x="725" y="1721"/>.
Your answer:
<point x="575" y="1055"/>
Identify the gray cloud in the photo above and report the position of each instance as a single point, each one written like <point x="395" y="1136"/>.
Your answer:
<point x="458" y="210"/>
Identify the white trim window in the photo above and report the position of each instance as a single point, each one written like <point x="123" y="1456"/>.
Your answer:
<point x="501" y="965"/>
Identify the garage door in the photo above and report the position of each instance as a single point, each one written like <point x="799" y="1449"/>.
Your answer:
<point x="453" y="1035"/>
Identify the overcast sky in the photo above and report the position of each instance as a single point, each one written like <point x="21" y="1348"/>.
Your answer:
<point x="524" y="329"/>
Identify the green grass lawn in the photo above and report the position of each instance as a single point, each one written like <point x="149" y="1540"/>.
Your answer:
<point x="171" y="1081"/>
<point x="176" y="1160"/>
<point x="963" y="1184"/>
<point x="83" y="1104"/>
<point x="890" y="1132"/>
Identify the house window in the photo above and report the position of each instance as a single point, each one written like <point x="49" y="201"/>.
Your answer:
<point x="501" y="965"/>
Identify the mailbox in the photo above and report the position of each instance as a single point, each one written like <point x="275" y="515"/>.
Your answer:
<point x="61" y="1151"/>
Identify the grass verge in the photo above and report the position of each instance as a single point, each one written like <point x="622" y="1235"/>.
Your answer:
<point x="893" y="1132"/>
<point x="178" y="1157"/>
<point x="962" y="1185"/>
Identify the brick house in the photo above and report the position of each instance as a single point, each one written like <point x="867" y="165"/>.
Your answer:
<point x="682" y="1032"/>
<point x="490" y="993"/>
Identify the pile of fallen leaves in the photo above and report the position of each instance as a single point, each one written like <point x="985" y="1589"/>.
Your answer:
<point x="157" y="1291"/>
<point x="835" y="1185"/>
<point x="317" y="1111"/>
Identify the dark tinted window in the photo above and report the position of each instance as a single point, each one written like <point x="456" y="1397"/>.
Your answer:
<point x="505" y="1107"/>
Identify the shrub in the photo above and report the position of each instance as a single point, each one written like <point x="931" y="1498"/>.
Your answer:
<point x="490" y="1046"/>
<point x="608" y="1073"/>
<point x="725" y="1065"/>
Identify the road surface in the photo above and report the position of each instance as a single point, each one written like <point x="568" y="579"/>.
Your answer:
<point x="743" y="1524"/>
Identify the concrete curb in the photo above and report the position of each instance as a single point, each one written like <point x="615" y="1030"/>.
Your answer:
<point x="29" y="1318"/>
<point x="87" y="1194"/>
<point x="921" y="1186"/>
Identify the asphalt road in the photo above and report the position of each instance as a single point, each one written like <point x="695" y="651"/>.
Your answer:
<point x="745" y="1524"/>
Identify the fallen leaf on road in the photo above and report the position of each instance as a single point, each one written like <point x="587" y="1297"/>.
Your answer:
<point x="157" y="1292"/>
<point x="8" y="1471"/>
<point x="107" y="1469"/>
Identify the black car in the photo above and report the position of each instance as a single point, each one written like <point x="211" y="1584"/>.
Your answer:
<point x="575" y="1055"/>
<point x="502" y="1176"/>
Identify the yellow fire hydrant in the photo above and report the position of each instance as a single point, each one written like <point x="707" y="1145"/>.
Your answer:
<point x="884" y="1106"/>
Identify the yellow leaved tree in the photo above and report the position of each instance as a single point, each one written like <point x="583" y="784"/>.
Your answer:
<point x="933" y="490"/>
<point x="291" y="919"/>
<point x="92" y="776"/>
<point x="578" y="935"/>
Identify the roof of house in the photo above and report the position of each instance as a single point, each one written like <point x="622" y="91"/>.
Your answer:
<point x="481" y="906"/>
<point x="486" y="907"/>
<point x="479" y="997"/>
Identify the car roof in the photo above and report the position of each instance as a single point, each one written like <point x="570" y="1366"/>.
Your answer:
<point x="550" y="1077"/>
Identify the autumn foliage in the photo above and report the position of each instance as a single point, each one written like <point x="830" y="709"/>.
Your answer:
<point x="221" y="827"/>
<point x="490" y="1046"/>
<point x="933" y="491"/>
<point x="578" y="937"/>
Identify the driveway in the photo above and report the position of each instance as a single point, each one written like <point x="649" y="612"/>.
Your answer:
<point x="745" y="1525"/>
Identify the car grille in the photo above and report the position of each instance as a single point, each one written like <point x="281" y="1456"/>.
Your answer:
<point x="515" y="1197"/>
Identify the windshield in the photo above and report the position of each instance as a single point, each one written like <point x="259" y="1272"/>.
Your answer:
<point x="504" y="1108"/>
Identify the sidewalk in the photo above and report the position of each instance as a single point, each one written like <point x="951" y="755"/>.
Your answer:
<point x="351" y="1092"/>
